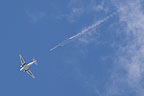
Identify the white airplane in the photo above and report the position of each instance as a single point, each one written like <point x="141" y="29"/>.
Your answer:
<point x="25" y="66"/>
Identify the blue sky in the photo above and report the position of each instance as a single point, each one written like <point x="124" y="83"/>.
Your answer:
<point x="105" y="60"/>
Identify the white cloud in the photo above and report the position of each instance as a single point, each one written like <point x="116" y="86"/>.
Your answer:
<point x="132" y="60"/>
<point x="80" y="8"/>
<point x="75" y="13"/>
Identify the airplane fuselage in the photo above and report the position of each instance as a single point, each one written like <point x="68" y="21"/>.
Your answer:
<point x="25" y="67"/>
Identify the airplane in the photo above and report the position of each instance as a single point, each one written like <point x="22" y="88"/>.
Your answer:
<point x="25" y="66"/>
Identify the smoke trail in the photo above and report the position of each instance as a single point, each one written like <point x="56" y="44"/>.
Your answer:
<point x="92" y="26"/>
<point x="83" y="31"/>
<point x="60" y="44"/>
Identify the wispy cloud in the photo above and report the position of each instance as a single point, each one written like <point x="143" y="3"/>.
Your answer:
<point x="35" y="16"/>
<point x="81" y="8"/>
<point x="131" y="62"/>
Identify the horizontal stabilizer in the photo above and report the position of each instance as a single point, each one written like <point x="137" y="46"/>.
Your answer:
<point x="35" y="61"/>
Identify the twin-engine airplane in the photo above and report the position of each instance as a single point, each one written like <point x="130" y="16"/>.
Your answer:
<point x="25" y="66"/>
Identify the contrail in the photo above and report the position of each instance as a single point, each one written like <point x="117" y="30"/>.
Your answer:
<point x="83" y="31"/>
<point x="60" y="44"/>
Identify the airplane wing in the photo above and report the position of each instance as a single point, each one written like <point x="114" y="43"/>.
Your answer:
<point x="30" y="73"/>
<point x="22" y="60"/>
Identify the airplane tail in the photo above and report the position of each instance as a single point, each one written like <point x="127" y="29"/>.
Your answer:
<point x="35" y="61"/>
